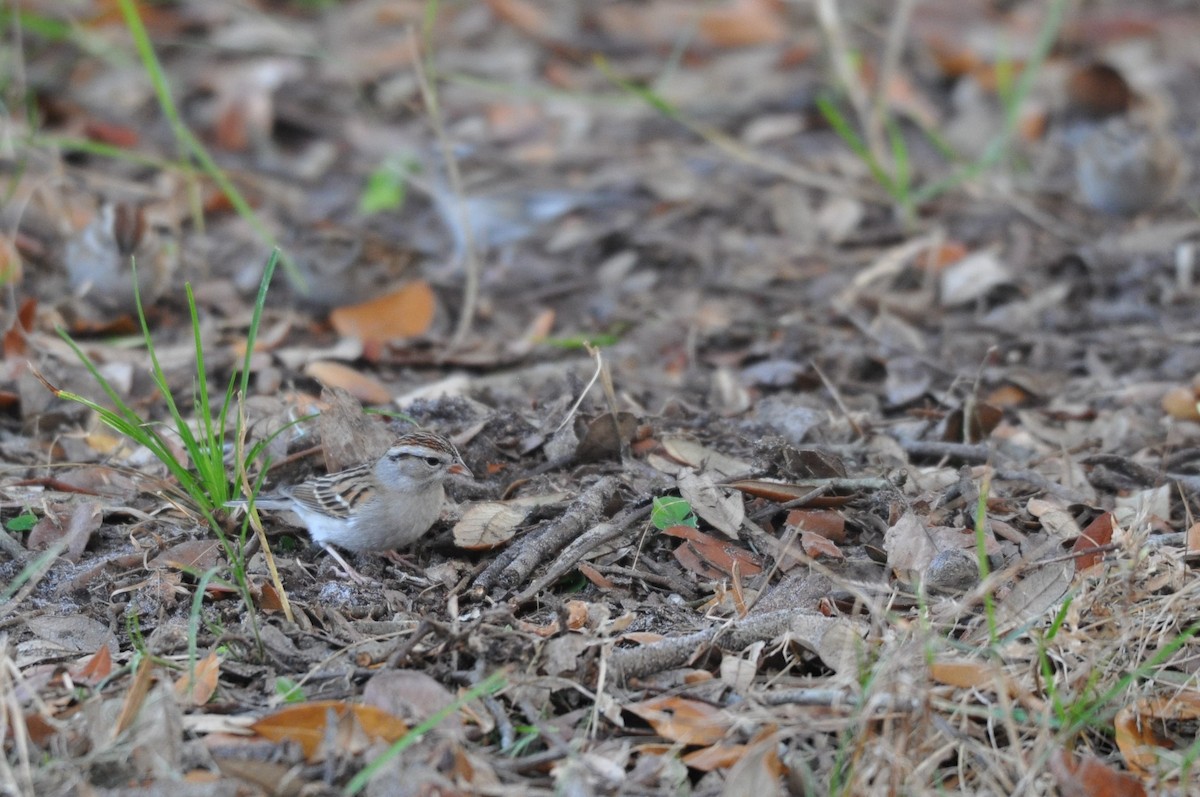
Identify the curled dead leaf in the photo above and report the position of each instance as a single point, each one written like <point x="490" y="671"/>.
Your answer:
<point x="306" y="724"/>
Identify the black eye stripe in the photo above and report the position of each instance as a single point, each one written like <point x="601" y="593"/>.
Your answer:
<point x="428" y="459"/>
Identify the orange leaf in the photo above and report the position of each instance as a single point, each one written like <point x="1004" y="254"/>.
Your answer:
<point x="306" y="724"/>
<point x="96" y="668"/>
<point x="521" y="15"/>
<point x="830" y="525"/>
<point x="1088" y="776"/>
<point x="401" y="314"/>
<point x="577" y="615"/>
<point x="1097" y="535"/>
<point x="685" y="721"/>
<point x="963" y="674"/>
<point x="15" y="340"/>
<point x="1135" y="726"/>
<point x="363" y="387"/>
<point x="595" y="576"/>
<point x="818" y="547"/>
<point x="1180" y="403"/>
<point x="718" y="756"/>
<point x="198" y="688"/>
<point x="743" y="22"/>
<point x="711" y="557"/>
<point x="269" y="600"/>
<point x="1193" y="539"/>
<point x="136" y="695"/>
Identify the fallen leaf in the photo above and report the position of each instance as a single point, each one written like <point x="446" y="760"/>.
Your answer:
<point x="721" y="508"/>
<point x="488" y="524"/>
<point x="1141" y="728"/>
<point x="1097" y="535"/>
<point x="782" y="492"/>
<point x="363" y="387"/>
<point x="95" y="669"/>
<point x="711" y="557"/>
<point x="818" y="547"/>
<point x="404" y="313"/>
<point x="684" y="721"/>
<point x="830" y="525"/>
<point x="306" y="724"/>
<point x="198" y="687"/>
<point x="1088" y="776"/>
<point x="742" y="23"/>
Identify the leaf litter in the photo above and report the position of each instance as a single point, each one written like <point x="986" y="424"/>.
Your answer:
<point x="940" y="453"/>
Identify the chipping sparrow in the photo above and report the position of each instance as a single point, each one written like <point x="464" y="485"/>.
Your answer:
<point x="374" y="507"/>
<point x="97" y="258"/>
<point x="1125" y="166"/>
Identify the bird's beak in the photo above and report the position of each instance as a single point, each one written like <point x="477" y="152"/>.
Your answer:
<point x="462" y="470"/>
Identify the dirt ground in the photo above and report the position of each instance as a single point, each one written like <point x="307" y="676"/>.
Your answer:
<point x="827" y="372"/>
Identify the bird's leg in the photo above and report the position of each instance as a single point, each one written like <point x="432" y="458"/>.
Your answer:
<point x="355" y="576"/>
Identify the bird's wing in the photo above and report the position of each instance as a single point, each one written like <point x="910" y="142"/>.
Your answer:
<point x="337" y="494"/>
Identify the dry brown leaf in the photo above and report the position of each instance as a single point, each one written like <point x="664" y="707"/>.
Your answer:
<point x="363" y="387"/>
<point x="759" y="771"/>
<point x="741" y="23"/>
<point x="682" y="720"/>
<point x="711" y="557"/>
<point x="306" y="724"/>
<point x="1139" y="728"/>
<point x="348" y="435"/>
<point x="198" y="687"/>
<point x="136" y="695"/>
<point x="1097" y="535"/>
<point x="74" y="530"/>
<point x="95" y="669"/>
<point x="1180" y="403"/>
<point x="404" y="313"/>
<point x="1193" y="539"/>
<point x="1057" y="521"/>
<point x="717" y="756"/>
<point x="488" y="524"/>
<point x="830" y="525"/>
<point x="194" y="555"/>
<point x="1041" y="588"/>
<point x="596" y="577"/>
<point x="819" y="547"/>
<point x="16" y="337"/>
<point x="706" y="460"/>
<point x="1088" y="776"/>
<point x="784" y="492"/>
<point x="721" y="508"/>
<point x="963" y="674"/>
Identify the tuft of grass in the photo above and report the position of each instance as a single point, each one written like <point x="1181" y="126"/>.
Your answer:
<point x="204" y="478"/>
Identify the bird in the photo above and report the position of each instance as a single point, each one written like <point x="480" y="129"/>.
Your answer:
<point x="1125" y="166"/>
<point x="376" y="506"/>
<point x="97" y="258"/>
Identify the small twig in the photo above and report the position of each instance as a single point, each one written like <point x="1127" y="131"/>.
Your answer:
<point x="976" y="454"/>
<point x="583" y="393"/>
<point x="582" y="546"/>
<point x="551" y="538"/>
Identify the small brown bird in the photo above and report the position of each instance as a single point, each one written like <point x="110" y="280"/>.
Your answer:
<point x="1125" y="167"/>
<point x="375" y="506"/>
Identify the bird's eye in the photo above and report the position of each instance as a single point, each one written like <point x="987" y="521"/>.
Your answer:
<point x="432" y="462"/>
